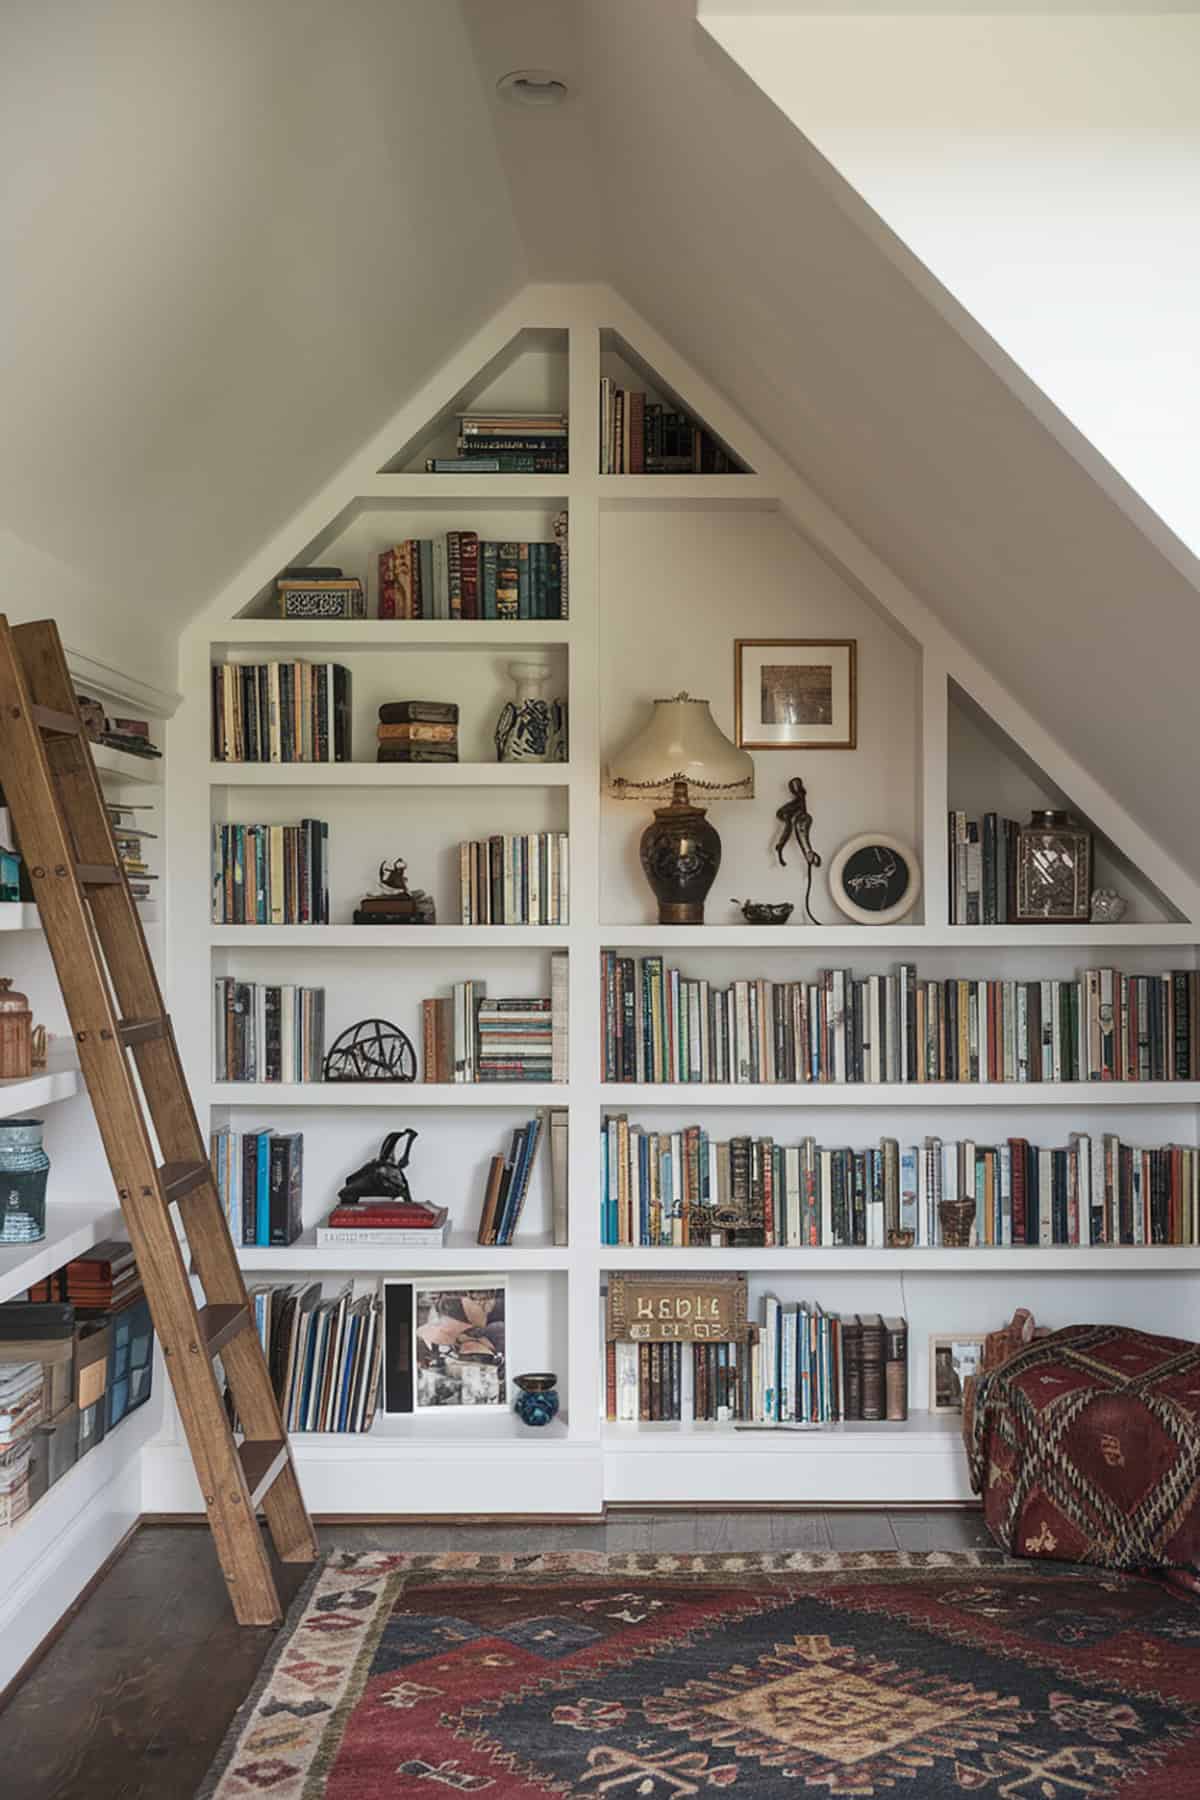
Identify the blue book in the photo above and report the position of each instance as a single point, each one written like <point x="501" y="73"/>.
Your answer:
<point x="262" y="1219"/>
<point x="353" y="1325"/>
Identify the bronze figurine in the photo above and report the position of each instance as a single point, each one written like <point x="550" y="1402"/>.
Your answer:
<point x="796" y="820"/>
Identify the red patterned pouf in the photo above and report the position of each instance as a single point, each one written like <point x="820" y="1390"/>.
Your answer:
<point x="1085" y="1446"/>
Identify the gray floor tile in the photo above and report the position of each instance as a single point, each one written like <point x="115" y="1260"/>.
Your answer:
<point x="941" y="1531"/>
<point x="800" y="1531"/>
<point x="861" y="1531"/>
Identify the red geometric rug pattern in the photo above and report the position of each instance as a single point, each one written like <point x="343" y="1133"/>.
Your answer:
<point x="759" y="1676"/>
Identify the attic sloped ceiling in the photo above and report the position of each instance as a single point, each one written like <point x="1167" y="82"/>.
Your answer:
<point x="715" y="217"/>
<point x="232" y="236"/>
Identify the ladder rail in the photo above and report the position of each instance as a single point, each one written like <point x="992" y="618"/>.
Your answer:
<point x="99" y="952"/>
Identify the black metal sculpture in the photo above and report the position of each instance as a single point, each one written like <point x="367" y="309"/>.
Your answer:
<point x="372" y="1050"/>
<point x="796" y="820"/>
<point x="383" y="1177"/>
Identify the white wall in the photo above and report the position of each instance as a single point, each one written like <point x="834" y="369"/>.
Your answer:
<point x="679" y="588"/>
<point x="1046" y="169"/>
<point x="233" y="238"/>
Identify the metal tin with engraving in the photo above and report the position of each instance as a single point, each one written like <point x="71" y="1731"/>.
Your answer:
<point x="690" y="1309"/>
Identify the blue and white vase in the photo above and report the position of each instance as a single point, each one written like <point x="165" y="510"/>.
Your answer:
<point x="24" y="1167"/>
<point x="531" y="729"/>
<point x="537" y="1403"/>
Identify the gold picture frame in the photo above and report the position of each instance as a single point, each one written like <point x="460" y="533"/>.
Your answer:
<point x="786" y="702"/>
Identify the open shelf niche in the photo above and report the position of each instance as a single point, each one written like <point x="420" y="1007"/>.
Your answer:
<point x="665" y="574"/>
<point x="628" y="370"/>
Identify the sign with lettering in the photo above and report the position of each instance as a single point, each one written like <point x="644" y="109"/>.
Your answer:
<point x="688" y="1309"/>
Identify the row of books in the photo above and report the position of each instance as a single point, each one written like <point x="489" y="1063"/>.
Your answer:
<point x="643" y="437"/>
<point x="508" y="1185"/>
<point x="506" y="443"/>
<point x="132" y="736"/>
<point x="260" y="1183"/>
<point x="522" y="880"/>
<point x="130" y="840"/>
<point x="271" y="874"/>
<point x="662" y="1026"/>
<point x="323" y="1355"/>
<point x="267" y="1032"/>
<point x="800" y="1365"/>
<point x="467" y="1037"/>
<point x="281" y="712"/>
<point x="105" y="1278"/>
<point x="461" y="576"/>
<point x="673" y="1189"/>
<point x="982" y="869"/>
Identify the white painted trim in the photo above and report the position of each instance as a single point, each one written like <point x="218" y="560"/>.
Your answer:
<point x="115" y="684"/>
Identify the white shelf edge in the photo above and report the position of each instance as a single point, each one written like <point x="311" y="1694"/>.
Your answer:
<point x="19" y="1096"/>
<point x="920" y="1431"/>
<point x="814" y="1095"/>
<point x="899" y="937"/>
<point x="310" y="635"/>
<point x="72" y="1227"/>
<point x="392" y="937"/>
<point x="16" y="915"/>
<point x="414" y="1096"/>
<point x="386" y="775"/>
<point x="1033" y="1259"/>
<point x="121" y="766"/>
<point x="379" y="1259"/>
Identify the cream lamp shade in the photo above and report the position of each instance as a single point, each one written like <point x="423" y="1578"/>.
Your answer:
<point x="681" y="742"/>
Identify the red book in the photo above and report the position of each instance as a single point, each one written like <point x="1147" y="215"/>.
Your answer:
<point x="469" y="553"/>
<point x="1017" y="1147"/>
<point x="381" y="1214"/>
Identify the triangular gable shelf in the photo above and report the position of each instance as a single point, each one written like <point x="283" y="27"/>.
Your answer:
<point x="529" y="371"/>
<point x="989" y="771"/>
<point x="628" y="370"/>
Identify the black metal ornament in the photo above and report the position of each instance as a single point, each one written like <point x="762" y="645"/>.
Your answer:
<point x="796" y="820"/>
<point x="384" y="1176"/>
<point x="372" y="1050"/>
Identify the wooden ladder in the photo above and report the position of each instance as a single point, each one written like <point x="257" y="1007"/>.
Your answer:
<point x="116" y="1011"/>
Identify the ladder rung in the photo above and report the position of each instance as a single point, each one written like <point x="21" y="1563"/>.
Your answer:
<point x="48" y="718"/>
<point x="97" y="874"/>
<point x="262" y="1460"/>
<point x="140" y="1031"/>
<point x="220" y="1323"/>
<point x="180" y="1178"/>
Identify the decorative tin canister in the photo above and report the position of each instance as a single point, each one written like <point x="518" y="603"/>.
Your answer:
<point x="24" y="1167"/>
<point x="16" y="1033"/>
<point x="537" y="1403"/>
<point x="1054" y="870"/>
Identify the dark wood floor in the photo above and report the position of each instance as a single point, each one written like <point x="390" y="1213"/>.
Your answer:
<point x="132" y="1701"/>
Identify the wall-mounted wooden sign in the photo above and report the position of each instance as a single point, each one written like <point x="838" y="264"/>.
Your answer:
<point x="688" y="1309"/>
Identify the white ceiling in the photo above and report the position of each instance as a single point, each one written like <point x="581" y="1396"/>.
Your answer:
<point x="237" y="237"/>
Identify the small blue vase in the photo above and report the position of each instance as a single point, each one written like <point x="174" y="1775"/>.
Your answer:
<point x="24" y="1167"/>
<point x="537" y="1403"/>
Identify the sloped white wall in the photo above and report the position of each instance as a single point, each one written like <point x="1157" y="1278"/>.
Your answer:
<point x="233" y="238"/>
<point x="1045" y="166"/>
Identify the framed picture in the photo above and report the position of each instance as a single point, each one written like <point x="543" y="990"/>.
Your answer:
<point x="796" y="693"/>
<point x="953" y="1359"/>
<point x="459" y="1353"/>
<point x="875" y="879"/>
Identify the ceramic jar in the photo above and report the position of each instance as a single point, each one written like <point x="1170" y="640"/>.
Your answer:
<point x="537" y="1403"/>
<point x="531" y="729"/>
<point x="16" y="1033"/>
<point x="24" y="1167"/>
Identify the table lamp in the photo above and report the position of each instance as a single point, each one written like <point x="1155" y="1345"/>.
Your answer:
<point x="681" y="751"/>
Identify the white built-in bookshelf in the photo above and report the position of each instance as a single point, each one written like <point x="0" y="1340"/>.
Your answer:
<point x="665" y="573"/>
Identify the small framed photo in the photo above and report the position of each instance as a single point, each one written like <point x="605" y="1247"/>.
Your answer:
<point x="875" y="879"/>
<point x="953" y="1359"/>
<point x="459" y="1350"/>
<point x="796" y="693"/>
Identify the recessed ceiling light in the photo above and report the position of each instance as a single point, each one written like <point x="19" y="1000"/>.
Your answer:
<point x="534" y="88"/>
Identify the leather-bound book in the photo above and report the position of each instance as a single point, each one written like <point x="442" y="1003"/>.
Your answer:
<point x="896" y="1367"/>
<point x="872" y="1366"/>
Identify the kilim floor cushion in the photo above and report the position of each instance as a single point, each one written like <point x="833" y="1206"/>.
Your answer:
<point x="1085" y="1446"/>
<point x="643" y="1677"/>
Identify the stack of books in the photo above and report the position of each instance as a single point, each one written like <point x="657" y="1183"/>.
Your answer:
<point x="506" y="443"/>
<point x="458" y="576"/>
<point x="418" y="731"/>
<point x="129" y="838"/>
<point x="323" y="1355"/>
<point x="260" y="1183"/>
<point x="281" y="712"/>
<point x="983" y="869"/>
<point x="22" y="1391"/>
<point x="643" y="437"/>
<point x="395" y="1223"/>
<point x="508" y="1185"/>
<point x="521" y="880"/>
<point x="320" y="593"/>
<point x="267" y="1033"/>
<point x="271" y="874"/>
<point x="130" y="735"/>
<point x="102" y="1279"/>
<point x="468" y="1038"/>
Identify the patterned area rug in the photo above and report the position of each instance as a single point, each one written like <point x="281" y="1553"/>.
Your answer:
<point x="642" y="1677"/>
